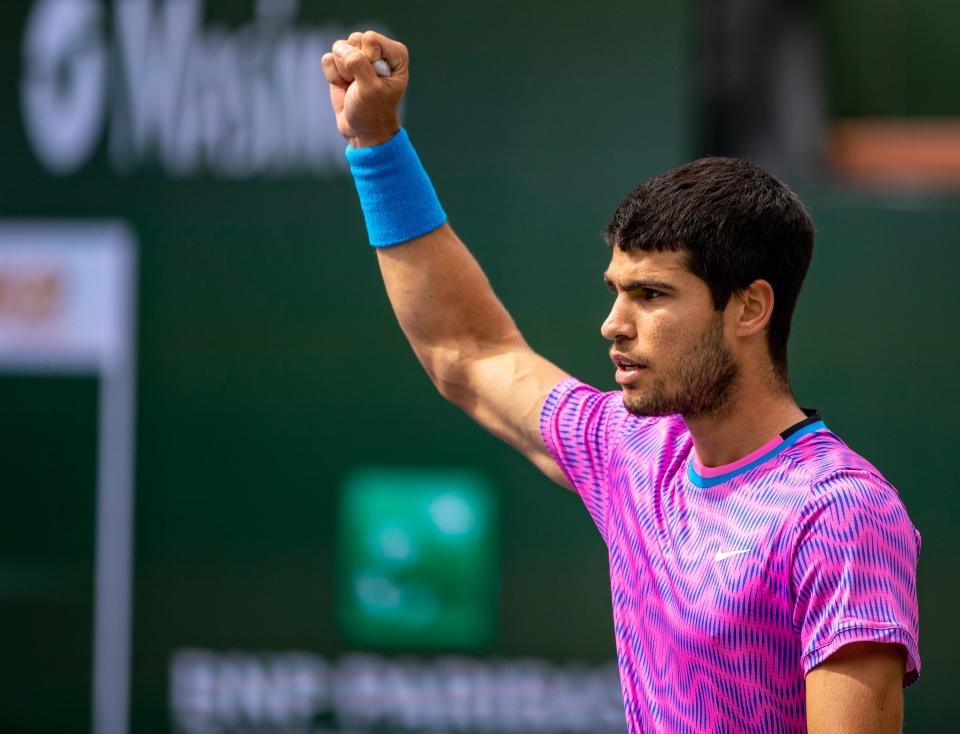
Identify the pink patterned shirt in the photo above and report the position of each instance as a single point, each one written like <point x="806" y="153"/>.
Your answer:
<point x="730" y="583"/>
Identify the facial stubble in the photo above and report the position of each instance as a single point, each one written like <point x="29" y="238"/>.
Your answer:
<point x="705" y="376"/>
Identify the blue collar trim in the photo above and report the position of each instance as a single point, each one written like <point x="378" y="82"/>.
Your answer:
<point x="707" y="482"/>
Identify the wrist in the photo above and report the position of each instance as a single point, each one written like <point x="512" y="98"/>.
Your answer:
<point x="372" y="139"/>
<point x="398" y="201"/>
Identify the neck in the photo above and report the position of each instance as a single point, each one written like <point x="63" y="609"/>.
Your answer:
<point x="754" y="415"/>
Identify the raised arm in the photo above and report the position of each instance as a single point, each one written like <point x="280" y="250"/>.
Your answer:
<point x="459" y="330"/>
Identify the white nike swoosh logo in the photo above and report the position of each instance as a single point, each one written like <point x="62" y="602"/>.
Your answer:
<point x="726" y="554"/>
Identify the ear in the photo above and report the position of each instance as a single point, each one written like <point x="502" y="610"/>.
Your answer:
<point x="754" y="306"/>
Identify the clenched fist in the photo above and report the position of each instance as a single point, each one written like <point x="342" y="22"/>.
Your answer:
<point x="364" y="103"/>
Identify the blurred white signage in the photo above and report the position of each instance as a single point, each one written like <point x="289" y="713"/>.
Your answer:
<point x="238" y="692"/>
<point x="63" y="297"/>
<point x="169" y="91"/>
<point x="68" y="306"/>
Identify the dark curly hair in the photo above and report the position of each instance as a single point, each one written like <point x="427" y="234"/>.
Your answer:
<point x="735" y="222"/>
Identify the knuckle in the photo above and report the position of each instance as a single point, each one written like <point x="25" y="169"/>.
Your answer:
<point x="354" y="61"/>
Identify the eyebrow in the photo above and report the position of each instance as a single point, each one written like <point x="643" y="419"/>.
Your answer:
<point x="635" y="285"/>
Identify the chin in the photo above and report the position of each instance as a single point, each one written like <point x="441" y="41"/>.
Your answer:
<point x="635" y="404"/>
<point x="646" y="405"/>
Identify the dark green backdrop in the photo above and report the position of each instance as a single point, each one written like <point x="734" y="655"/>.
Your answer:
<point x="270" y="364"/>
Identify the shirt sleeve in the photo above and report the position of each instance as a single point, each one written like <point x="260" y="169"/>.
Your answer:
<point x="854" y="572"/>
<point x="579" y="424"/>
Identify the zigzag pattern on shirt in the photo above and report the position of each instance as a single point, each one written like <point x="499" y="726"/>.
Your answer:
<point x="708" y="645"/>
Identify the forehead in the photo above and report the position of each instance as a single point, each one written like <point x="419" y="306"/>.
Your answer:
<point x="670" y="267"/>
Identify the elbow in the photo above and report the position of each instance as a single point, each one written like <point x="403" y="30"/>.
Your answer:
<point x="450" y="383"/>
<point x="448" y="370"/>
<point x="462" y="372"/>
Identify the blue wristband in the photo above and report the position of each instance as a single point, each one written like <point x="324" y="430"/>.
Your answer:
<point x="396" y="195"/>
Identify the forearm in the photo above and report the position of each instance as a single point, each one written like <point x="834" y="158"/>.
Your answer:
<point x="460" y="331"/>
<point x="440" y="295"/>
<point x="445" y="305"/>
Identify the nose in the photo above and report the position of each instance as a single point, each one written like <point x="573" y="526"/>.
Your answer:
<point x="618" y="325"/>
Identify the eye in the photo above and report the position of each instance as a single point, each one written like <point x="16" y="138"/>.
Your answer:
<point x="651" y="294"/>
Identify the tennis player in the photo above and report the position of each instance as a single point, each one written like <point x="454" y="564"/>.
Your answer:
<point x="763" y="575"/>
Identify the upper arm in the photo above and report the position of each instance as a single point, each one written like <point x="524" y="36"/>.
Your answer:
<point x="567" y="428"/>
<point x="504" y="391"/>
<point x="857" y="690"/>
<point x="467" y="342"/>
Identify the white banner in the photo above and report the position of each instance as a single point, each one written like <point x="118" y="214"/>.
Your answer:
<point x="64" y="292"/>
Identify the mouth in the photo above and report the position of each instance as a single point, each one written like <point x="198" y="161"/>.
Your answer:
<point x="628" y="371"/>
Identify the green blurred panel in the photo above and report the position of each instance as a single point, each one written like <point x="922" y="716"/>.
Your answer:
<point x="47" y="509"/>
<point x="892" y="58"/>
<point x="417" y="560"/>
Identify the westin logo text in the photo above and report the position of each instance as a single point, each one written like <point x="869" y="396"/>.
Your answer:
<point x="168" y="91"/>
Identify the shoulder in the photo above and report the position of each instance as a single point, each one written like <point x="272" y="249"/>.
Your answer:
<point x="830" y="467"/>
<point x="845" y="491"/>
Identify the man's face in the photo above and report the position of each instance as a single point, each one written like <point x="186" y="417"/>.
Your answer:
<point x="669" y="344"/>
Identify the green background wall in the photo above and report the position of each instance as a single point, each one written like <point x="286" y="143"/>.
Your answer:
<point x="270" y="364"/>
